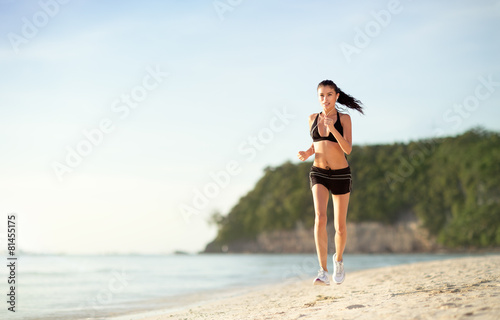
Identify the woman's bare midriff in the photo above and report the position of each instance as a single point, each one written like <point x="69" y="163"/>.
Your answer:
<point x="329" y="155"/>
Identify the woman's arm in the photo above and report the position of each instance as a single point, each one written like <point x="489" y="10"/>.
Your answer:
<point x="303" y="155"/>
<point x="345" y="141"/>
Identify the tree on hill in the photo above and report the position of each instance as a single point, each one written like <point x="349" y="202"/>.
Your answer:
<point x="451" y="184"/>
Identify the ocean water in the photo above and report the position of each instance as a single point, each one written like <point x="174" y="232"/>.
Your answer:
<point x="99" y="287"/>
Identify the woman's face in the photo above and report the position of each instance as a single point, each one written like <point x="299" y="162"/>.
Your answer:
<point x="327" y="97"/>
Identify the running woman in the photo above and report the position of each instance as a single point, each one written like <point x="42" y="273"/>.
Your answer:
<point x="332" y="140"/>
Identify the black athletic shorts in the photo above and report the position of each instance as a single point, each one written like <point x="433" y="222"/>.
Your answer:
<point x="337" y="181"/>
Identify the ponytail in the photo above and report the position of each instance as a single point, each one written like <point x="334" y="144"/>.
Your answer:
<point x="344" y="98"/>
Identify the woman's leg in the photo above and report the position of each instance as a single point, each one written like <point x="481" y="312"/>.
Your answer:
<point x="320" y="197"/>
<point x="340" y="204"/>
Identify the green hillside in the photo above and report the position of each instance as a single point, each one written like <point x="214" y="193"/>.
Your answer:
<point x="451" y="184"/>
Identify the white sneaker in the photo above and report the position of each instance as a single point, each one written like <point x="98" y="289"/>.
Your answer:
<point x="338" y="270"/>
<point x="322" y="278"/>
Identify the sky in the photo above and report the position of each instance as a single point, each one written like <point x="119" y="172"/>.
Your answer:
<point x="125" y="125"/>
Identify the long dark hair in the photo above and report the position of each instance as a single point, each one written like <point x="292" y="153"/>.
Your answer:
<point x="344" y="98"/>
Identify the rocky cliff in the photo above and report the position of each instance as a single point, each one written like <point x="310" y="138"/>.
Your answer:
<point x="363" y="237"/>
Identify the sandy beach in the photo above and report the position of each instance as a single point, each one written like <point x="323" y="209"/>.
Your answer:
<point x="464" y="288"/>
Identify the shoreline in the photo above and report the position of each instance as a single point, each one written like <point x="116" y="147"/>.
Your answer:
<point x="457" y="288"/>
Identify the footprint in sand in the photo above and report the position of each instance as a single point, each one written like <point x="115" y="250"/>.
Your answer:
<point x="355" y="306"/>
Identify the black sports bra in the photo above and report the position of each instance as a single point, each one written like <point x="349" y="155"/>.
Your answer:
<point x="315" y="132"/>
